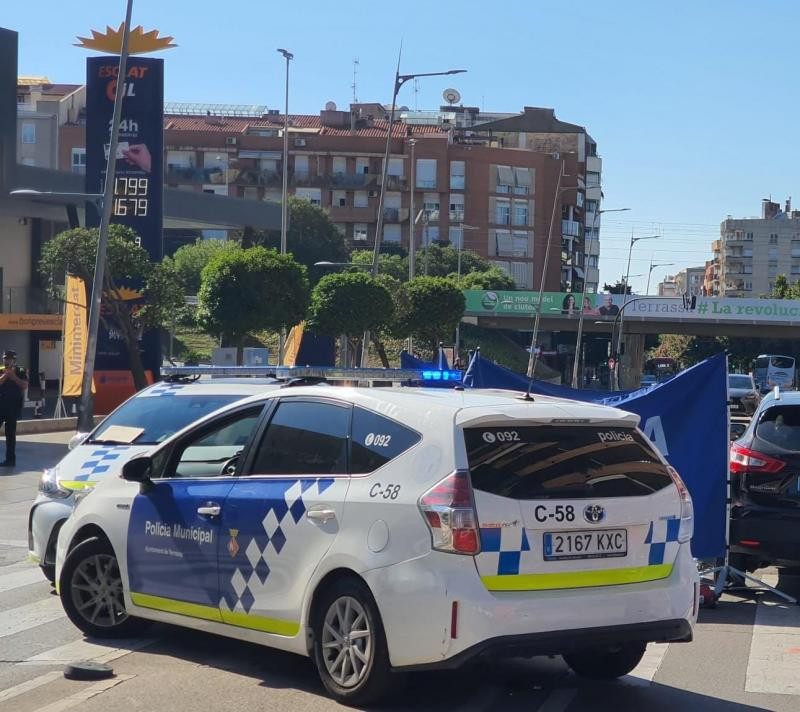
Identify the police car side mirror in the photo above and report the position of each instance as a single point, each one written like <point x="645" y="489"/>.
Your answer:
<point x="137" y="470"/>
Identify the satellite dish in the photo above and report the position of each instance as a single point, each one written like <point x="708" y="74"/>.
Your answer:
<point x="330" y="106"/>
<point x="451" y="96"/>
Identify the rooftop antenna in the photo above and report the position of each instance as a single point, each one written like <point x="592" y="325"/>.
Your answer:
<point x="353" y="85"/>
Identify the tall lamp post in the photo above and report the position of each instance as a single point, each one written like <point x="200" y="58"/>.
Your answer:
<point x="399" y="80"/>
<point x="587" y="252"/>
<point x="460" y="247"/>
<point x="625" y="282"/>
<point x="285" y="189"/>
<point x="650" y="272"/>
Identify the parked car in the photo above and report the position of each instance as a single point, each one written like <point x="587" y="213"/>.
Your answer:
<point x="384" y="530"/>
<point x="138" y="426"/>
<point x="647" y="380"/>
<point x="765" y="468"/>
<point x="743" y="395"/>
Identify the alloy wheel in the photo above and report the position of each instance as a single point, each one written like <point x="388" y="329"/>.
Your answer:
<point x="96" y="590"/>
<point x="347" y="646"/>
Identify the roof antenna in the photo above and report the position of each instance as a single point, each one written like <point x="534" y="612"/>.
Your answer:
<point x="353" y="85"/>
<point x="527" y="395"/>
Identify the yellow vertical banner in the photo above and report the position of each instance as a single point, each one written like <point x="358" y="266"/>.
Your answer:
<point x="292" y="346"/>
<point x="75" y="335"/>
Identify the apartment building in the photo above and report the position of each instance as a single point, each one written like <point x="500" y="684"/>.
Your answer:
<point x="485" y="181"/>
<point x="752" y="252"/>
<point x="668" y="287"/>
<point x="690" y="281"/>
<point x="42" y="109"/>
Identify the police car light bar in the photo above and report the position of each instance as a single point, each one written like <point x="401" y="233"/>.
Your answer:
<point x="328" y="373"/>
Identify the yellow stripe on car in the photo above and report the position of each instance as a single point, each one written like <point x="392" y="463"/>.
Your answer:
<point x="77" y="484"/>
<point x="576" y="579"/>
<point x="197" y="610"/>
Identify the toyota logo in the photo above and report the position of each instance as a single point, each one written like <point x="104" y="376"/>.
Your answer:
<point x="594" y="513"/>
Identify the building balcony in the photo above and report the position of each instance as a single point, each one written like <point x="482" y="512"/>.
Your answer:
<point x="348" y="213"/>
<point x="306" y="180"/>
<point x="457" y="216"/>
<point x="353" y="180"/>
<point x="395" y="215"/>
<point x="254" y="176"/>
<point x="572" y="228"/>
<point x="394" y="182"/>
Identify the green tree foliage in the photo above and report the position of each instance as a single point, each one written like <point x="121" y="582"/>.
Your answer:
<point x="438" y="261"/>
<point x="188" y="261"/>
<point x="243" y="291"/>
<point x="394" y="265"/>
<point x="75" y="252"/>
<point x="429" y="310"/>
<point x="349" y="303"/>
<point x="311" y="237"/>
<point x="492" y="278"/>
<point x="617" y="288"/>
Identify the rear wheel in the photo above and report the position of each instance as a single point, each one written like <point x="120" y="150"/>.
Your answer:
<point x="606" y="664"/>
<point x="91" y="592"/>
<point x="349" y="644"/>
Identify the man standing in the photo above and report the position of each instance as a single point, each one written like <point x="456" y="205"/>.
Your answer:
<point x="13" y="382"/>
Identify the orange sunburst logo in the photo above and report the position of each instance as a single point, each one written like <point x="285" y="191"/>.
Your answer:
<point x="125" y="294"/>
<point x="140" y="42"/>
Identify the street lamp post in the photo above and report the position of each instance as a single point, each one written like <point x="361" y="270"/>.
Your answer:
<point x="650" y="272"/>
<point x="534" y="355"/>
<point x="399" y="80"/>
<point x="618" y="347"/>
<point x="412" y="242"/>
<point x="285" y="189"/>
<point x="587" y="252"/>
<point x="460" y="247"/>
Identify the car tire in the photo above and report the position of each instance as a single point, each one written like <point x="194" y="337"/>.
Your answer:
<point x="606" y="664"/>
<point x="49" y="571"/>
<point x="354" y="670"/>
<point x="91" y="592"/>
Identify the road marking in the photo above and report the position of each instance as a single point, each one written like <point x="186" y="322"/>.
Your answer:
<point x="28" y="685"/>
<point x="15" y="620"/>
<point x="774" y="650"/>
<point x="20" y="578"/>
<point x="647" y="668"/>
<point x="84" y="695"/>
<point x="88" y="650"/>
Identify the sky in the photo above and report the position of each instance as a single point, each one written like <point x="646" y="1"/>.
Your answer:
<point x="692" y="104"/>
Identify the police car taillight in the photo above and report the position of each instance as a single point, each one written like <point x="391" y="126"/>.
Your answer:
<point x="686" y="528"/>
<point x="449" y="511"/>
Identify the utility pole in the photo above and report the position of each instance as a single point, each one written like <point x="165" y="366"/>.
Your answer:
<point x="285" y="189"/>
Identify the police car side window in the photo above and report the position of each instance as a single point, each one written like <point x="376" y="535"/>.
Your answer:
<point x="304" y="438"/>
<point x="207" y="453"/>
<point x="376" y="440"/>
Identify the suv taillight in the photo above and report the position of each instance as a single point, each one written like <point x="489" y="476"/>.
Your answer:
<point x="686" y="528"/>
<point x="449" y="511"/>
<point x="743" y="459"/>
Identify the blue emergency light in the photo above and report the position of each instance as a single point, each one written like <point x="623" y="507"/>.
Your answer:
<point x="327" y="373"/>
<point x="441" y="375"/>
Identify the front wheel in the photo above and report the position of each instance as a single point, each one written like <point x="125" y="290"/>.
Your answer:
<point x="606" y="664"/>
<point x="350" y="649"/>
<point x="91" y="592"/>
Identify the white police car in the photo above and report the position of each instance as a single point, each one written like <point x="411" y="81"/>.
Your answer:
<point x="388" y="530"/>
<point x="138" y="426"/>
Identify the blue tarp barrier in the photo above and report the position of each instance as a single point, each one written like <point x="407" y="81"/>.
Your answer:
<point x="685" y="417"/>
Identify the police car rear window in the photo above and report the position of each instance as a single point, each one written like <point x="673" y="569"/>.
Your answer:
<point x="563" y="462"/>
<point x="161" y="417"/>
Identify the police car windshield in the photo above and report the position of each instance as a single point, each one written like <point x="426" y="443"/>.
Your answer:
<point x="159" y="419"/>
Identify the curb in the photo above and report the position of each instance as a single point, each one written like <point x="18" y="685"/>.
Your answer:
<point x="50" y="425"/>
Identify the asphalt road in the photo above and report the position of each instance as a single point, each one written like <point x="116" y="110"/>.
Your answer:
<point x="746" y="655"/>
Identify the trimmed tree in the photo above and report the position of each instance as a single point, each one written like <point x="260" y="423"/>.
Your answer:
<point x="190" y="260"/>
<point x="430" y="310"/>
<point x="349" y="303"/>
<point x="492" y="278"/>
<point x="75" y="251"/>
<point x="256" y="289"/>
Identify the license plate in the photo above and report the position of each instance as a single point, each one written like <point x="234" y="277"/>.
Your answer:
<point x="597" y="544"/>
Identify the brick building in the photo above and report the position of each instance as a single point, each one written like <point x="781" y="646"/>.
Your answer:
<point x="495" y="174"/>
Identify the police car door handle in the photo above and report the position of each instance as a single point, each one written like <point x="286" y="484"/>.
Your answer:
<point x="209" y="510"/>
<point x="320" y="515"/>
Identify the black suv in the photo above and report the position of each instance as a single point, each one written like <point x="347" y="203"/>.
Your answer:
<point x="765" y="471"/>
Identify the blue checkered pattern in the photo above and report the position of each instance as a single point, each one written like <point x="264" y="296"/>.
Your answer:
<point x="100" y="461"/>
<point x="662" y="538"/>
<point x="165" y="389"/>
<point x="285" y="508"/>
<point x="505" y="544"/>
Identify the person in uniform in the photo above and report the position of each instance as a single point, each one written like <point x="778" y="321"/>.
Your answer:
<point x="13" y="382"/>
